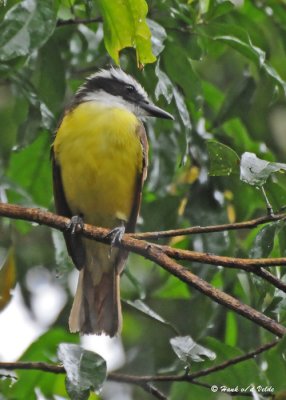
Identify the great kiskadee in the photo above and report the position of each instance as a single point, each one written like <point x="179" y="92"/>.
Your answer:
<point x="100" y="156"/>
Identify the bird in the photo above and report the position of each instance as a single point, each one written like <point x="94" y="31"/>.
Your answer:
<point x="99" y="161"/>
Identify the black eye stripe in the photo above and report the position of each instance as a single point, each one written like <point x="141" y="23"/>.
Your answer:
<point x="112" y="86"/>
<point x="130" y="88"/>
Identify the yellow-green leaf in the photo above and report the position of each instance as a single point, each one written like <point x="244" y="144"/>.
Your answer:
<point x="124" y="23"/>
<point x="7" y="278"/>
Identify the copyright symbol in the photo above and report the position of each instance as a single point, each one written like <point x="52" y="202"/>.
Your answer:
<point x="214" y="388"/>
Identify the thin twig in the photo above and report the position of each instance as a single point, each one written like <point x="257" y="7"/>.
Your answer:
<point x="31" y="365"/>
<point x="119" y="377"/>
<point x="233" y="361"/>
<point x="63" y="22"/>
<point x="212" y="228"/>
<point x="253" y="265"/>
<point x="246" y="264"/>
<point x="266" y="275"/>
<point x="149" y="388"/>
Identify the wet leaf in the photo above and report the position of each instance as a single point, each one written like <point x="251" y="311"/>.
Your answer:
<point x="158" y="36"/>
<point x="223" y="160"/>
<point x="164" y="86"/>
<point x="182" y="108"/>
<point x="85" y="370"/>
<point x="141" y="306"/>
<point x="264" y="241"/>
<point x="188" y="350"/>
<point x="256" y="171"/>
<point x="26" y="27"/>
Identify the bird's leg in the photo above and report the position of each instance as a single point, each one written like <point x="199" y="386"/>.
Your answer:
<point x="116" y="234"/>
<point x="76" y="224"/>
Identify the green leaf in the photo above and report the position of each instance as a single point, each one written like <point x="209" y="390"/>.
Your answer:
<point x="188" y="350"/>
<point x="182" y="108"/>
<point x="276" y="366"/>
<point x="141" y="306"/>
<point x="39" y="116"/>
<point x="50" y="78"/>
<point x="237" y="99"/>
<point x="240" y="138"/>
<point x="48" y="342"/>
<point x="30" y="169"/>
<point x="173" y="289"/>
<point x="181" y="72"/>
<point x="223" y="160"/>
<point x="140" y="289"/>
<point x="85" y="370"/>
<point x="7" y="278"/>
<point x="124" y="24"/>
<point x="181" y="390"/>
<point x="164" y="85"/>
<point x="219" y="9"/>
<point x="256" y="171"/>
<point x="158" y="36"/>
<point x="75" y="392"/>
<point x="26" y="27"/>
<point x="204" y="5"/>
<point x="264" y="241"/>
<point x="42" y="349"/>
<point x="231" y="329"/>
<point x="242" y="374"/>
<point x="239" y="39"/>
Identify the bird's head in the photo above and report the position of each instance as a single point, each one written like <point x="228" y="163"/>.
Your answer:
<point x="113" y="87"/>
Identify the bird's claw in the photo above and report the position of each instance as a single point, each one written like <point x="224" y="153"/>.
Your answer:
<point x="116" y="235"/>
<point x="75" y="224"/>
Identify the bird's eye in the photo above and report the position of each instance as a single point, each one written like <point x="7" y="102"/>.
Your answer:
<point x="130" y="88"/>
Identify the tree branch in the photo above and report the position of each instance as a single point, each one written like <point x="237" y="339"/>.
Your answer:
<point x="246" y="264"/>
<point x="253" y="223"/>
<point x="149" y="388"/>
<point x="249" y="265"/>
<point x="160" y="255"/>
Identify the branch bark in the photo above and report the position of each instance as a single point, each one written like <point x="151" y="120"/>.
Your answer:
<point x="161" y="256"/>
<point x="253" y="223"/>
<point x="126" y="378"/>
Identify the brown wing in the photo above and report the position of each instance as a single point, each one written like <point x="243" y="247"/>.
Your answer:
<point x="73" y="242"/>
<point x="130" y="226"/>
<point x="141" y="132"/>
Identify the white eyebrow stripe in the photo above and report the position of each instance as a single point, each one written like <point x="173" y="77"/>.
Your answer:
<point x="120" y="75"/>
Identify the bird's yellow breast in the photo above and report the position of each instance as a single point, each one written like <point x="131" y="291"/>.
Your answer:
<point x="100" y="157"/>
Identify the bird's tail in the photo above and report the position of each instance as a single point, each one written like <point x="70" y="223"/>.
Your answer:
<point x="96" y="307"/>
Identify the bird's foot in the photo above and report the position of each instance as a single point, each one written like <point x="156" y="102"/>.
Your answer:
<point x="116" y="235"/>
<point x="76" y="224"/>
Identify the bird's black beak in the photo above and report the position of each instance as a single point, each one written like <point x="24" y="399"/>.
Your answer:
<point x="154" y="111"/>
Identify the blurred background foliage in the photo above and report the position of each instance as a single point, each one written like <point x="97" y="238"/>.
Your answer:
<point x="219" y="67"/>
